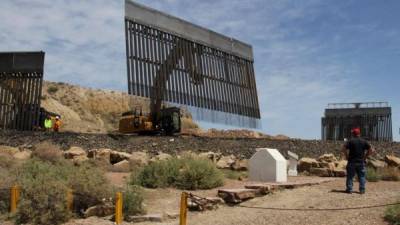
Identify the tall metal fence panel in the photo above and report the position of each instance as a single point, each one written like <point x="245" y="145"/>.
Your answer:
<point x="21" y="78"/>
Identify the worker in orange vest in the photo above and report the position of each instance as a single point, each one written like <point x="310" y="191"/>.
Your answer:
<point x="57" y="124"/>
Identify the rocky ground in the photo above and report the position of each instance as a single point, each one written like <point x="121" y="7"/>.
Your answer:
<point x="327" y="195"/>
<point x="240" y="147"/>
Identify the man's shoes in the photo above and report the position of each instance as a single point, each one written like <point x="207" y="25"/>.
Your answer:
<point x="349" y="191"/>
<point x="362" y="192"/>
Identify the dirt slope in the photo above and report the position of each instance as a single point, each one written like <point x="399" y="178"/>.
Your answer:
<point x="90" y="110"/>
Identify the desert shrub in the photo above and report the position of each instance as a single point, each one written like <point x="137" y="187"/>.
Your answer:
<point x="89" y="185"/>
<point x="372" y="175"/>
<point x="7" y="180"/>
<point x="392" y="215"/>
<point x="159" y="174"/>
<point x="184" y="173"/>
<point x="45" y="186"/>
<point x="43" y="197"/>
<point x="132" y="200"/>
<point x="47" y="152"/>
<point x="389" y="174"/>
<point x="52" y="89"/>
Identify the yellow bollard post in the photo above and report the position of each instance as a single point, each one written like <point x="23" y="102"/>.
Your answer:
<point x="183" y="211"/>
<point x="118" y="208"/>
<point x="70" y="200"/>
<point x="14" y="198"/>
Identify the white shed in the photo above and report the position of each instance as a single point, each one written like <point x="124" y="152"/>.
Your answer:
<point x="268" y="165"/>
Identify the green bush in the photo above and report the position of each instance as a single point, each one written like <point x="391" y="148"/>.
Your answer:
<point x="392" y="215"/>
<point x="132" y="200"/>
<point x="372" y="175"/>
<point x="184" y="173"/>
<point x="45" y="185"/>
<point x="52" y="89"/>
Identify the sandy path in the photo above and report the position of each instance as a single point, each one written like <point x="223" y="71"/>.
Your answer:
<point x="320" y="196"/>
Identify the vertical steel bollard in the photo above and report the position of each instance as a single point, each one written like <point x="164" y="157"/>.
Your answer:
<point x="118" y="208"/>
<point x="14" y="198"/>
<point x="183" y="211"/>
<point x="70" y="199"/>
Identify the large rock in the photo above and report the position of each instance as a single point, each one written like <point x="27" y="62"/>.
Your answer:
<point x="327" y="158"/>
<point x="74" y="152"/>
<point x="213" y="156"/>
<point x="8" y="150"/>
<point x="161" y="156"/>
<point x="100" y="210"/>
<point x="139" y="159"/>
<point x="339" y="173"/>
<point x="392" y="160"/>
<point x="226" y="162"/>
<point x="23" y="155"/>
<point x="341" y="165"/>
<point x="116" y="156"/>
<point x="103" y="154"/>
<point x="305" y="164"/>
<point x="328" y="165"/>
<point x="376" y="164"/>
<point x="123" y="166"/>
<point x="321" y="172"/>
<point x="240" y="164"/>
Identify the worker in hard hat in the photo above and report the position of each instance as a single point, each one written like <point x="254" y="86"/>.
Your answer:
<point x="356" y="151"/>
<point x="48" y="123"/>
<point x="57" y="124"/>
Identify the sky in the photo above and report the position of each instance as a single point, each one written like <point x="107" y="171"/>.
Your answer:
<point x="306" y="53"/>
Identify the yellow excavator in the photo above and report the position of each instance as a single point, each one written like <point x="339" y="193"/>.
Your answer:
<point x="160" y="120"/>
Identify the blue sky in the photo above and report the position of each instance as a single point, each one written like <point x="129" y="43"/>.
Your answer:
<point x="307" y="53"/>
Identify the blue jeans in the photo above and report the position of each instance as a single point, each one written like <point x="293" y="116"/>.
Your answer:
<point x="354" y="168"/>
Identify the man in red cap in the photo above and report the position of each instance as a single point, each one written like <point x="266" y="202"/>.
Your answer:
<point x="356" y="151"/>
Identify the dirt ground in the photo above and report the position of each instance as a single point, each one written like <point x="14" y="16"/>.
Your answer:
<point x="326" y="195"/>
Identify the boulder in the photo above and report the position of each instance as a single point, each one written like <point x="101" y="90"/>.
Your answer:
<point x="139" y="159"/>
<point x="23" y="155"/>
<point x="103" y="154"/>
<point x="305" y="164"/>
<point x="240" y="164"/>
<point x="341" y="165"/>
<point x="100" y="210"/>
<point x="8" y="150"/>
<point x="392" y="161"/>
<point x="321" y="172"/>
<point x="339" y="173"/>
<point x="327" y="158"/>
<point x="116" y="156"/>
<point x="123" y="166"/>
<point x="331" y="166"/>
<point x="74" y="152"/>
<point x="376" y="164"/>
<point x="162" y="156"/>
<point x="226" y="162"/>
<point x="213" y="156"/>
<point x="79" y="159"/>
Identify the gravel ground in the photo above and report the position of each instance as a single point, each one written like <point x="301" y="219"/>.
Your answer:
<point x="241" y="147"/>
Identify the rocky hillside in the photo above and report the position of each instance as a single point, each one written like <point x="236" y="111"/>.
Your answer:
<point x="92" y="110"/>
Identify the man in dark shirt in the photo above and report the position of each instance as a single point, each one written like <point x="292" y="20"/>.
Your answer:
<point x="356" y="151"/>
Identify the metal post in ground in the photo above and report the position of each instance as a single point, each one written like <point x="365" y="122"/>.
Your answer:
<point x="118" y="209"/>
<point x="183" y="211"/>
<point x="15" y="192"/>
<point x="70" y="199"/>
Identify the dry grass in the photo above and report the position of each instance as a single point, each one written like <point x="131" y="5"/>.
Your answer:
<point x="47" y="151"/>
<point x="390" y="174"/>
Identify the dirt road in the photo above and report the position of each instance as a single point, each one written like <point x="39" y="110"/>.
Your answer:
<point x="320" y="196"/>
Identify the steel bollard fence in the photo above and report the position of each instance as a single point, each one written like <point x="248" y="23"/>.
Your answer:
<point x="15" y="193"/>
<point x="183" y="211"/>
<point x="118" y="208"/>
